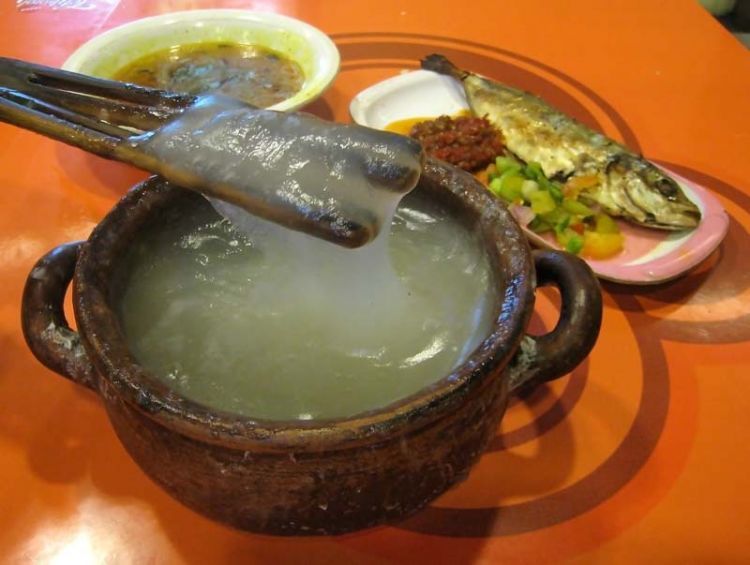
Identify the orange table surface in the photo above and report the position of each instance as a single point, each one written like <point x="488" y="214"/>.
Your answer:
<point x="638" y="456"/>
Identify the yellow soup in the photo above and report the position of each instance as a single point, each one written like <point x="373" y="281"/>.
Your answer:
<point x="254" y="74"/>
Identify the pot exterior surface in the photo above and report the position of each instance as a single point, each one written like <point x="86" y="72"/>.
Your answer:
<point x="312" y="493"/>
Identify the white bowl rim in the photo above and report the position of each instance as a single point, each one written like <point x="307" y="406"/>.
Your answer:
<point x="328" y="53"/>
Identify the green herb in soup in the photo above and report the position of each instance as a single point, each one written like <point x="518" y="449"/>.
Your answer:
<point x="257" y="75"/>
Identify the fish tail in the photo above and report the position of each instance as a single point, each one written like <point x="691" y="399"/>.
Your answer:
<point x="440" y="64"/>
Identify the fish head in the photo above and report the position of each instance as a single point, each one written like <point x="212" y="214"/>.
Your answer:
<point x="659" y="199"/>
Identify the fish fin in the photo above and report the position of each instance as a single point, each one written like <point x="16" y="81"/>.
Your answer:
<point x="440" y="64"/>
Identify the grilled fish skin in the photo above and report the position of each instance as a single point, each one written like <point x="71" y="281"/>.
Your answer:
<point x="628" y="185"/>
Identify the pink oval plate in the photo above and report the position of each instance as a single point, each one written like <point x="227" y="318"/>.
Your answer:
<point x="650" y="256"/>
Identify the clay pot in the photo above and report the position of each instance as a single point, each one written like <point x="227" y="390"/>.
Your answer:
<point x="309" y="477"/>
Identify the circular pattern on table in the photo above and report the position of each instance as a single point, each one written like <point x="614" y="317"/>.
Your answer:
<point x="402" y="51"/>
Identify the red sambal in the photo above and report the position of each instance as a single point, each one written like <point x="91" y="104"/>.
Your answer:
<point x="467" y="142"/>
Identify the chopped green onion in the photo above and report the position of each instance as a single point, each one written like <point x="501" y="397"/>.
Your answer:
<point x="563" y="224"/>
<point x="574" y="244"/>
<point x="575" y="207"/>
<point x="556" y="192"/>
<point x="495" y="185"/>
<point x="508" y="185"/>
<point x="542" y="202"/>
<point x="556" y="216"/>
<point x="528" y="188"/>
<point x="516" y="182"/>
<point x="533" y="170"/>
<point x="505" y="162"/>
<point x="539" y="225"/>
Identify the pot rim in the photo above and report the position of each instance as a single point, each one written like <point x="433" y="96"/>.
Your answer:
<point x="103" y="339"/>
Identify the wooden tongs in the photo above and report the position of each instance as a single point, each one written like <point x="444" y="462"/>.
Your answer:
<point x="107" y="118"/>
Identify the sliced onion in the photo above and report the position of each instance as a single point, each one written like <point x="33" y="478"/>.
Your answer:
<point x="522" y="214"/>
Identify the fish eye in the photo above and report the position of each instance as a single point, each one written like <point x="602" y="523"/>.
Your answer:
<point x="667" y="188"/>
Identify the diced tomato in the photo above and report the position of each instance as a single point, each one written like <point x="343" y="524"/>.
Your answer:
<point x="483" y="176"/>
<point x="602" y="245"/>
<point x="581" y="182"/>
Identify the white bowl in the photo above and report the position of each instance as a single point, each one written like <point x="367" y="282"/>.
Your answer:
<point x="415" y="94"/>
<point x="309" y="47"/>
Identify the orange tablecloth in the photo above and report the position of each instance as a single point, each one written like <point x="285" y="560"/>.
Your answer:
<point x="640" y="455"/>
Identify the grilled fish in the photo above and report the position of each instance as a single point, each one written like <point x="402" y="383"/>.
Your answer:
<point x="622" y="183"/>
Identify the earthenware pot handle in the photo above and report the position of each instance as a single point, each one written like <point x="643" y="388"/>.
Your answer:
<point x="547" y="357"/>
<point x="45" y="328"/>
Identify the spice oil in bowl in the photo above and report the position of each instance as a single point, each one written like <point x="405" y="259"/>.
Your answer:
<point x="254" y="74"/>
